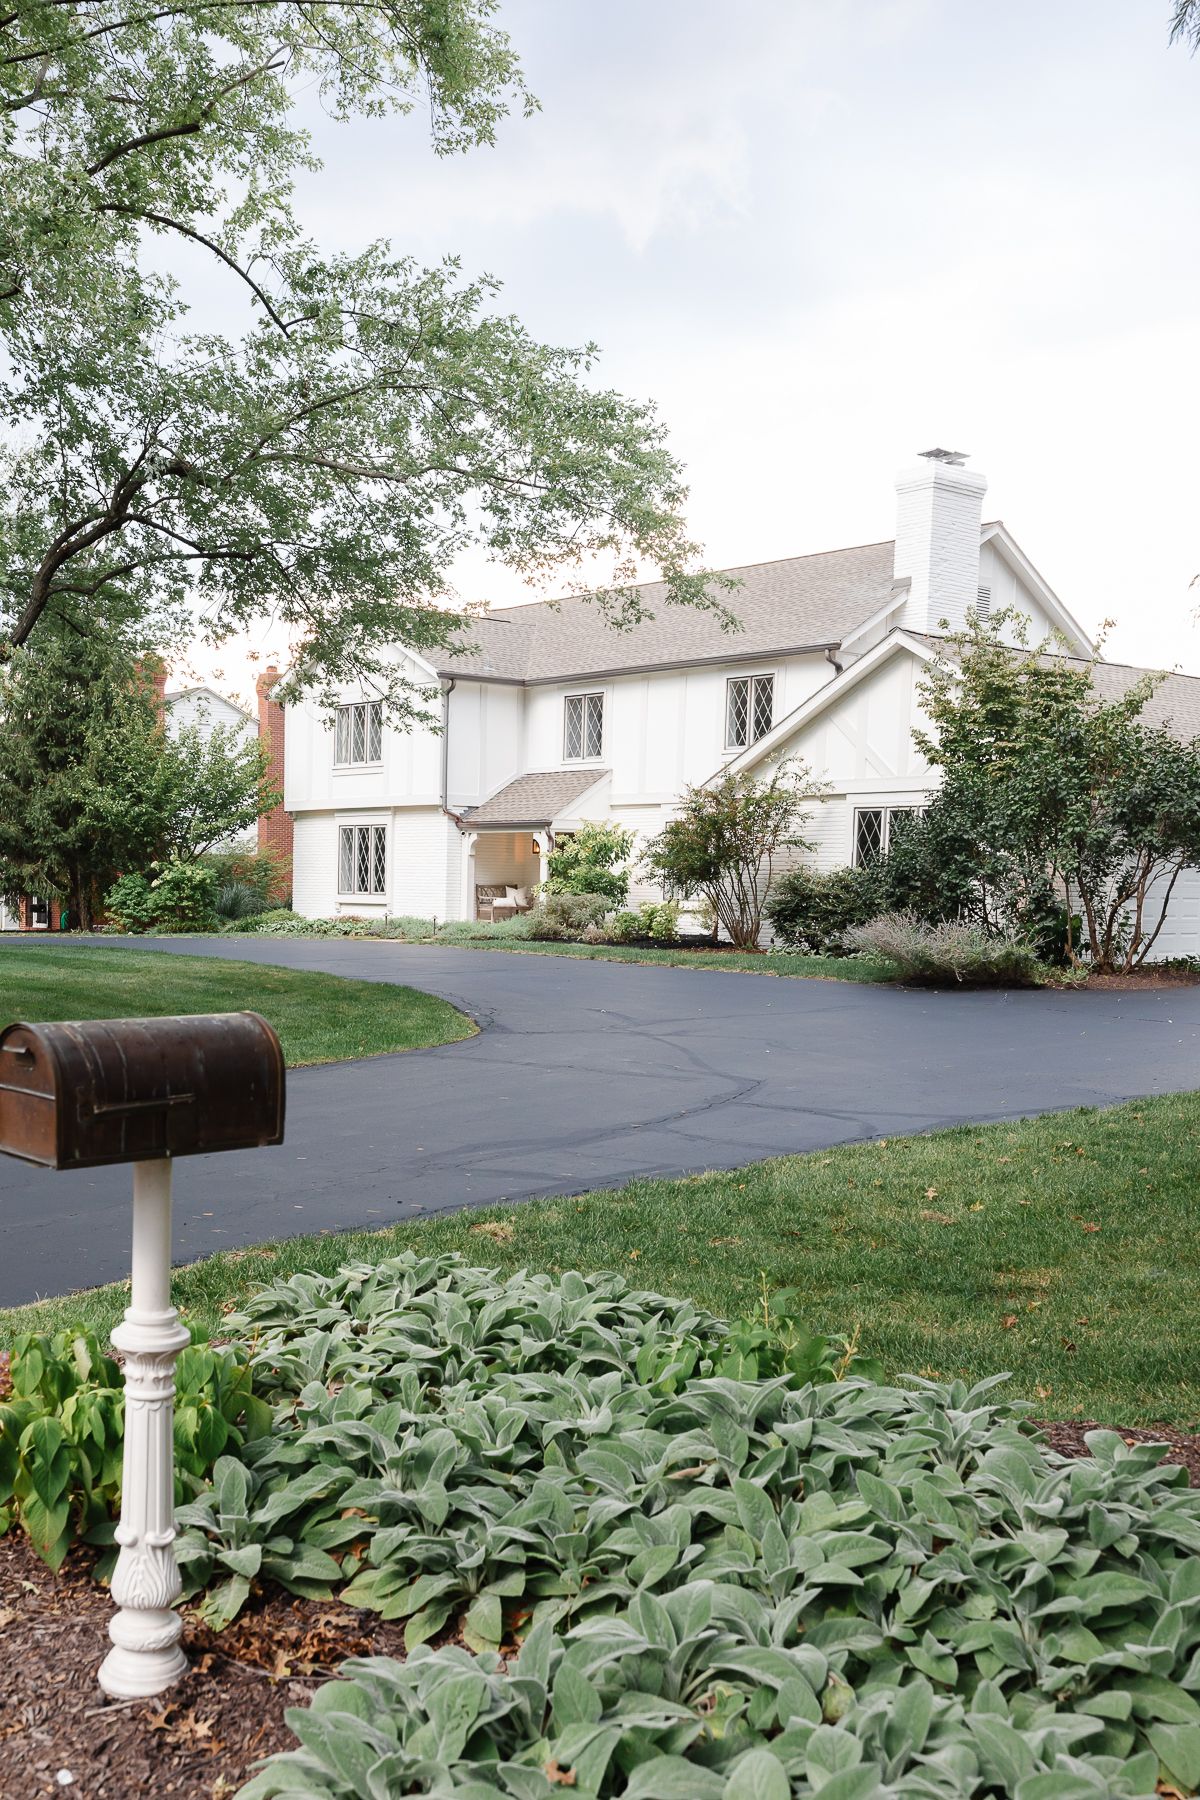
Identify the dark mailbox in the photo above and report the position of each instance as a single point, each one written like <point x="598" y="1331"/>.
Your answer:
<point x="128" y="1090"/>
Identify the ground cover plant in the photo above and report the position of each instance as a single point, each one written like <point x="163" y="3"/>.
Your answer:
<point x="319" y="1018"/>
<point x="1061" y="1248"/>
<point x="671" y="1580"/>
<point x="672" y="1574"/>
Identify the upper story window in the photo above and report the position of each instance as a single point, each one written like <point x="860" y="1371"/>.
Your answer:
<point x="359" y="733"/>
<point x="362" y="859"/>
<point x="583" y="727"/>
<point x="877" y="828"/>
<point x="749" y="709"/>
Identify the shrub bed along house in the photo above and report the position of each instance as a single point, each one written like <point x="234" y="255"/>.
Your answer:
<point x="678" y="1575"/>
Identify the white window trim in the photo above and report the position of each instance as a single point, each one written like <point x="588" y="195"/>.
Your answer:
<point x="602" y="694"/>
<point x="356" y="768"/>
<point x="359" y="824"/>
<point x="750" y="675"/>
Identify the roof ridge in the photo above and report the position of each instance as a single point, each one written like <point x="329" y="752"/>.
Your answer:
<point x="770" y="562"/>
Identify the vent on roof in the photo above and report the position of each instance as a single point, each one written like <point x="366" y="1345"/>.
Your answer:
<point x="983" y="604"/>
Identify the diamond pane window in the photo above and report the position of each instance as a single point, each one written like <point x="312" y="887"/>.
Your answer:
<point x="362" y="859"/>
<point x="868" y="835"/>
<point x="583" y="727"/>
<point x="763" y="707"/>
<point x="593" y="734"/>
<point x="749" y="709"/>
<point x="359" y="733"/>
<point x="737" y="711"/>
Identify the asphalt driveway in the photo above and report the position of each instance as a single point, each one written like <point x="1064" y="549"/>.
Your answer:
<point x="586" y="1074"/>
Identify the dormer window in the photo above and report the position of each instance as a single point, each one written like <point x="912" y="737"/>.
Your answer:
<point x="359" y="734"/>
<point x="749" y="709"/>
<point x="583" y="727"/>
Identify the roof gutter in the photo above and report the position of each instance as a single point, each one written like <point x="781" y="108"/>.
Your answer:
<point x="831" y="651"/>
<point x="767" y="654"/>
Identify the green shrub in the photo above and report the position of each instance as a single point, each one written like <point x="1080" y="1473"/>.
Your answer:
<point x="655" y="922"/>
<point x="949" y="952"/>
<point x="184" y="897"/>
<point x="473" y="931"/>
<point x="179" y="896"/>
<point x="265" y="872"/>
<point x="129" y="904"/>
<point x="61" y="1433"/>
<point x="815" y="911"/>
<point x="587" y="862"/>
<point x="564" y="918"/>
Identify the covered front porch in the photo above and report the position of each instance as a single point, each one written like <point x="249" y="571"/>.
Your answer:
<point x="507" y="841"/>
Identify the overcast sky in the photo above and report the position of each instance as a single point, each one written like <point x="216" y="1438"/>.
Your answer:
<point x="823" y="236"/>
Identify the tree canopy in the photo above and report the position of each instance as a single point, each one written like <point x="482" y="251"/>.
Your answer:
<point x="326" y="456"/>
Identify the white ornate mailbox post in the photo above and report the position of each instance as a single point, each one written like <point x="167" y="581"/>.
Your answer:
<point x="146" y="1656"/>
<point x="143" y="1091"/>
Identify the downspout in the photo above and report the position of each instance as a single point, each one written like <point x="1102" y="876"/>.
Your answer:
<point x="447" y="689"/>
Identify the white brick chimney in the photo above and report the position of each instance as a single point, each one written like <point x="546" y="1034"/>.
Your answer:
<point x="938" y="516"/>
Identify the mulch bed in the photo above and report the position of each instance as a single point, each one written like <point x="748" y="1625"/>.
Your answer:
<point x="201" y="1739"/>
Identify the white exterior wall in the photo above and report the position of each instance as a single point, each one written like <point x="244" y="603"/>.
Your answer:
<point x="205" y="710"/>
<point x="1008" y="589"/>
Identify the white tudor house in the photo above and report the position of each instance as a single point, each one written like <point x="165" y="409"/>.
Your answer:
<point x="551" y="717"/>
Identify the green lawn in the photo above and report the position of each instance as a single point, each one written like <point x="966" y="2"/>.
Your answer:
<point x="1062" y="1249"/>
<point x="319" y="1018"/>
<point x="827" y="968"/>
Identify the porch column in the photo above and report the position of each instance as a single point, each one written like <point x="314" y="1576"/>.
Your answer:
<point x="467" y="896"/>
<point x="544" y="841"/>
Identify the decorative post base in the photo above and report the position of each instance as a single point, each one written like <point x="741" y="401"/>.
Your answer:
<point x="146" y="1656"/>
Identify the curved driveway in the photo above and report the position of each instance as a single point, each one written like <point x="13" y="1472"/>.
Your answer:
<point x="586" y="1074"/>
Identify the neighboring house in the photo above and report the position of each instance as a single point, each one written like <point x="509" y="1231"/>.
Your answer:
<point x="204" y="709"/>
<point x="551" y="717"/>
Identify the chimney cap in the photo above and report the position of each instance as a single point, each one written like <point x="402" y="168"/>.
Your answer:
<point x="955" y="458"/>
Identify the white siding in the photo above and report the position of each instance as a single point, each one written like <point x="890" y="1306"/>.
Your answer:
<point x="1007" y="589"/>
<point x="1180" y="935"/>
<point x="205" y="710"/>
<point x="314" y="865"/>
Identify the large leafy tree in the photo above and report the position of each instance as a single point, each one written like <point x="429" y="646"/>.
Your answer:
<point x="1053" y="798"/>
<point x="92" y="784"/>
<point x="326" y="457"/>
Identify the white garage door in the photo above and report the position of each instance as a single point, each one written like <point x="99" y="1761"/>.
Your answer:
<point x="1180" y="935"/>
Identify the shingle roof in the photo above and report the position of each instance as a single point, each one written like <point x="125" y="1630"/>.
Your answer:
<point x="798" y="602"/>
<point x="1175" y="702"/>
<point x="533" y="800"/>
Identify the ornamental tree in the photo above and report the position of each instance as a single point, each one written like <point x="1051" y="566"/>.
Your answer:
<point x="591" y="861"/>
<point x="354" y="426"/>
<point x="725" y="841"/>
<point x="1055" y="797"/>
<point x="94" y="787"/>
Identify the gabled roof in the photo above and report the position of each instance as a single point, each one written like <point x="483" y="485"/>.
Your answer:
<point x="533" y="800"/>
<point x="797" y="603"/>
<point x="209" y="694"/>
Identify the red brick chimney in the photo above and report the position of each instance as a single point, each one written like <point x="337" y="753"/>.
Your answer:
<point x="153" y="671"/>
<point x="274" y="827"/>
